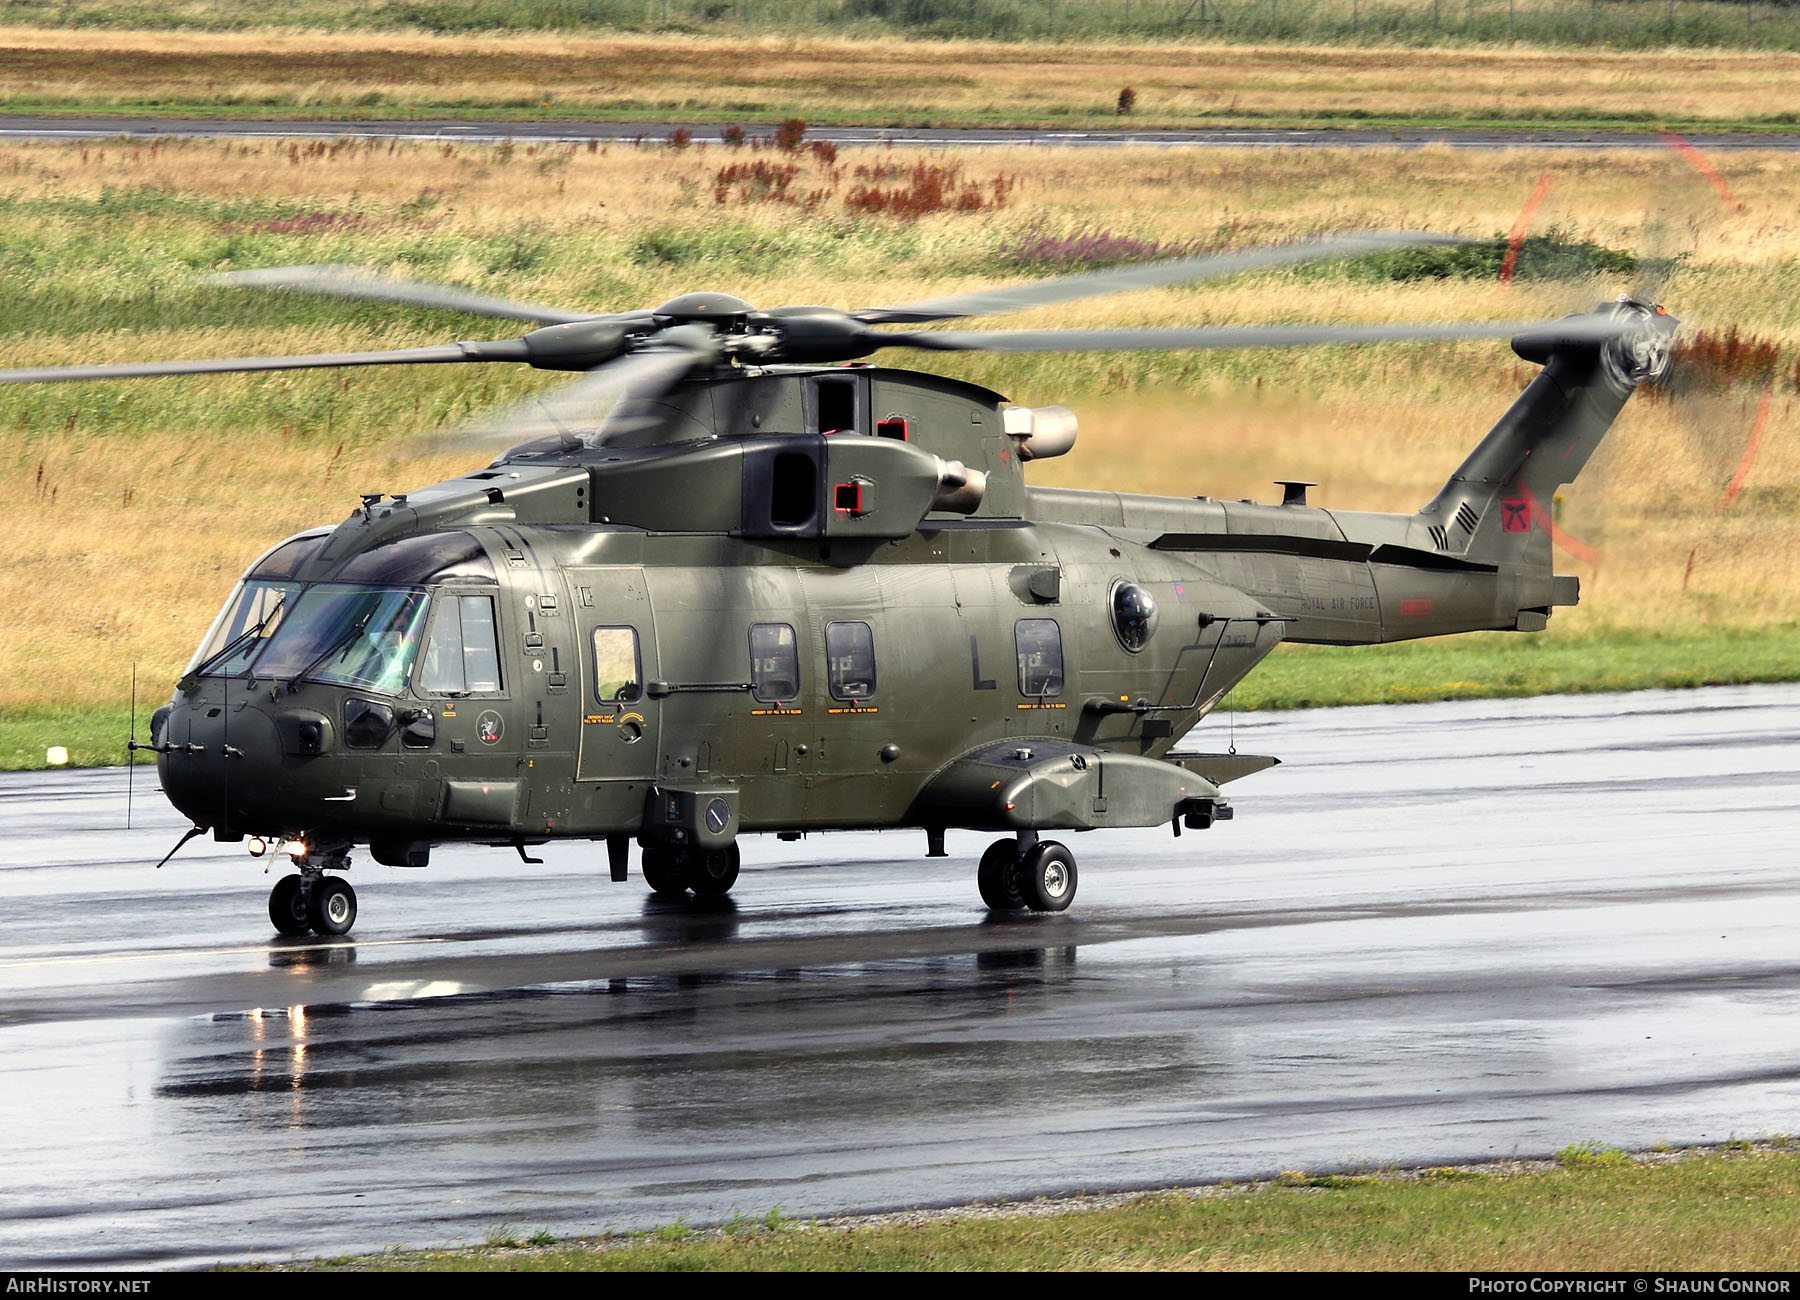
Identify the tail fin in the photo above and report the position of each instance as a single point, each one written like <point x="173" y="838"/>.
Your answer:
<point x="1496" y="507"/>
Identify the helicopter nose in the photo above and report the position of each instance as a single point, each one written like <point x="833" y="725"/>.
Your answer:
<point x="219" y="759"/>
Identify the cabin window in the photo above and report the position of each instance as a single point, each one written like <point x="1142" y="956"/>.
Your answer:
<point x="616" y="676"/>
<point x="850" y="658"/>
<point x="774" y="662"/>
<point x="1039" y="643"/>
<point x="463" y="655"/>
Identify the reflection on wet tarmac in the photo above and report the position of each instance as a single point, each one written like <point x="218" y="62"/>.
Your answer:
<point x="687" y="919"/>
<point x="647" y="1063"/>
<point x="308" y="954"/>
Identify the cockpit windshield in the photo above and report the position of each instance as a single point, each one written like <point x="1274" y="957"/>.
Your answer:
<point x="348" y="635"/>
<point x="249" y="619"/>
<point x="255" y="609"/>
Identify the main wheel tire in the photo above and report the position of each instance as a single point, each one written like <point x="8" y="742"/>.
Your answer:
<point x="712" y="872"/>
<point x="288" y="908"/>
<point x="1047" y="877"/>
<point x="333" y="907"/>
<point x="998" y="876"/>
<point x="662" y="873"/>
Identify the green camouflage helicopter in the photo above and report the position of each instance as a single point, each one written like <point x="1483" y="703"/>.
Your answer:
<point x="773" y="592"/>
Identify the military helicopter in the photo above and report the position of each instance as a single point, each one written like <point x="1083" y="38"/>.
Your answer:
<point x="771" y="592"/>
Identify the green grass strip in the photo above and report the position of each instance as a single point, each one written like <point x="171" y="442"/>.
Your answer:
<point x="1502" y="664"/>
<point x="1721" y="1209"/>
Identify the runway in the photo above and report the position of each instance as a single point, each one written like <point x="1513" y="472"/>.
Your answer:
<point x="439" y="130"/>
<point x="1436" y="933"/>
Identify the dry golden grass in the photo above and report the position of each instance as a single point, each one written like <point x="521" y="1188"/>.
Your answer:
<point x="136" y="506"/>
<point x="882" y="80"/>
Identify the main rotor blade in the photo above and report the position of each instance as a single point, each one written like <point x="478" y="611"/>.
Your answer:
<point x="434" y="354"/>
<point x="350" y="282"/>
<point x="568" y="413"/>
<point x="1576" y="330"/>
<point x="1146" y="275"/>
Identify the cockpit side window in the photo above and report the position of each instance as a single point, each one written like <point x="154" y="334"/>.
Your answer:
<point x="462" y="656"/>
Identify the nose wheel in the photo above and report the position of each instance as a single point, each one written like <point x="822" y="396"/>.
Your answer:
<point x="288" y="906"/>
<point x="312" y="902"/>
<point x="332" y="907"/>
<point x="1041" y="878"/>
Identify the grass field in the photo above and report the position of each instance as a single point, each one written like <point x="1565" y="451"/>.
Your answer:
<point x="730" y="76"/>
<point x="136" y="505"/>
<point x="1591" y="1209"/>
<point x="1620" y="23"/>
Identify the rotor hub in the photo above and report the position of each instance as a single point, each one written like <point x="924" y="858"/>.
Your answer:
<point x="725" y="311"/>
<point x="1642" y="355"/>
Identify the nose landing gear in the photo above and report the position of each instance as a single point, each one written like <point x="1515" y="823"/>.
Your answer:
<point x="312" y="901"/>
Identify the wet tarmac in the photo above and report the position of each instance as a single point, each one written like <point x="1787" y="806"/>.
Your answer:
<point x="1436" y="933"/>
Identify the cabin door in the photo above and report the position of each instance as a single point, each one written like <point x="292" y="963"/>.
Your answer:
<point x="621" y="727"/>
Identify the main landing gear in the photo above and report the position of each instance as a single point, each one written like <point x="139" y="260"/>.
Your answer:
<point x="311" y="901"/>
<point x="672" y="871"/>
<point x="1040" y="875"/>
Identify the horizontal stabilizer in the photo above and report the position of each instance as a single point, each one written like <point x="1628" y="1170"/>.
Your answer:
<point x="1223" y="768"/>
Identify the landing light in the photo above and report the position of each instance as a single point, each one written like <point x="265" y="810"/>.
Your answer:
<point x="257" y="846"/>
<point x="296" y="849"/>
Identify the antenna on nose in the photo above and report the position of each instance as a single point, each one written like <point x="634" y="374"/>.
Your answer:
<point x="131" y="747"/>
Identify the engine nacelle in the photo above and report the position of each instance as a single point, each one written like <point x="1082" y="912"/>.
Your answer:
<point x="1040" y="432"/>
